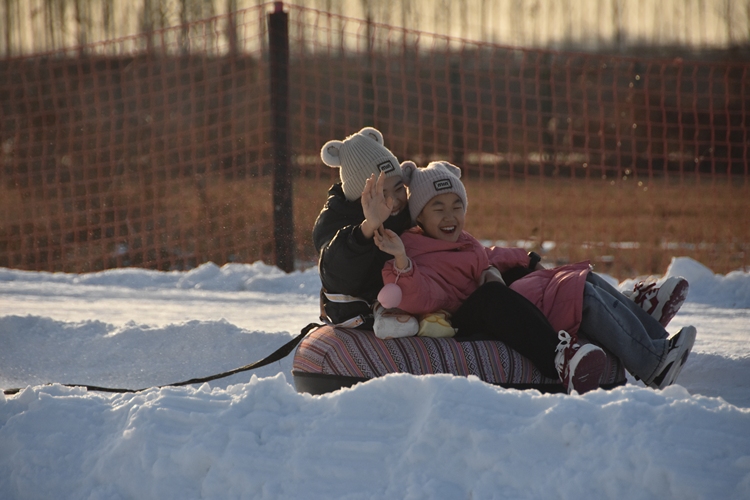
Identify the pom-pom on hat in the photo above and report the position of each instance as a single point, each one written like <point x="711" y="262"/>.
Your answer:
<point x="438" y="177"/>
<point x="358" y="157"/>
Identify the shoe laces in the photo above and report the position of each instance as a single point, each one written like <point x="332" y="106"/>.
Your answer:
<point x="565" y="340"/>
<point x="645" y="291"/>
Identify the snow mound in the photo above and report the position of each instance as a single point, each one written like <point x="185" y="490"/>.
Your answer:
<point x="730" y="291"/>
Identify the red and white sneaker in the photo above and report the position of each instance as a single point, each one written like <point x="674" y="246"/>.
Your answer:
<point x="661" y="299"/>
<point x="680" y="345"/>
<point x="580" y="366"/>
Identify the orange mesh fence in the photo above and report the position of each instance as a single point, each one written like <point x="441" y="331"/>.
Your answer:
<point x="137" y="152"/>
<point x="154" y="151"/>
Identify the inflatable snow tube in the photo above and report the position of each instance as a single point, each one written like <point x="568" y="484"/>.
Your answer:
<point x="331" y="358"/>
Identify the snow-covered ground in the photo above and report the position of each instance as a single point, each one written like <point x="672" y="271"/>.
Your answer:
<point x="252" y="436"/>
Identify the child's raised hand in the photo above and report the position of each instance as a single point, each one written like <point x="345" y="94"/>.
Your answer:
<point x="374" y="204"/>
<point x="389" y="242"/>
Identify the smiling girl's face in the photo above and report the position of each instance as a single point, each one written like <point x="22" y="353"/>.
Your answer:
<point x="443" y="217"/>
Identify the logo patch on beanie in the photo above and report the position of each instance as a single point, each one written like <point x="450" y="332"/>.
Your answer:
<point x="442" y="184"/>
<point x="386" y="166"/>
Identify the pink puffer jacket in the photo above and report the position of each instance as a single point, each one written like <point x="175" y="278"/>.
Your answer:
<point x="558" y="292"/>
<point x="444" y="274"/>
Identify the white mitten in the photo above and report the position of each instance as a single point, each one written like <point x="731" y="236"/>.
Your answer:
<point x="394" y="323"/>
<point x="491" y="274"/>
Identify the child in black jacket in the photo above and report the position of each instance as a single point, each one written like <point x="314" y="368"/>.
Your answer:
<point x="371" y="194"/>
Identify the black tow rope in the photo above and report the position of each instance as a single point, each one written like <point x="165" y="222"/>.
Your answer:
<point x="278" y="354"/>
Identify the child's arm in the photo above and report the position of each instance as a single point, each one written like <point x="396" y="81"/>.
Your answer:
<point x="422" y="294"/>
<point x="504" y="258"/>
<point x="348" y="262"/>
<point x="389" y="242"/>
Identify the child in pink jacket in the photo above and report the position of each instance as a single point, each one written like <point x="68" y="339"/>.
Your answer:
<point x="447" y="269"/>
<point x="438" y="265"/>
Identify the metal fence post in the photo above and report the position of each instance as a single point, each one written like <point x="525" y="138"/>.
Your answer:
<point x="283" y="223"/>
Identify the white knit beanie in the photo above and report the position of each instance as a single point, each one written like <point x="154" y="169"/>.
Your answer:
<point x="359" y="156"/>
<point x="439" y="177"/>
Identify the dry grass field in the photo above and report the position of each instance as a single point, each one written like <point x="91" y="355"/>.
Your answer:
<point x="627" y="228"/>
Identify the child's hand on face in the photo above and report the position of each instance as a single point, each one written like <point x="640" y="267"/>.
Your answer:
<point x="374" y="205"/>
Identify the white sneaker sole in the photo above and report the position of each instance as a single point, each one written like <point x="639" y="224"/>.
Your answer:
<point x="677" y="357"/>
<point x="670" y="297"/>
<point x="585" y="369"/>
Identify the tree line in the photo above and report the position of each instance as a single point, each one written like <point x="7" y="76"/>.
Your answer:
<point x="35" y="26"/>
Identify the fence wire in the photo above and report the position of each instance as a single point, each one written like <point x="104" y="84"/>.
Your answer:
<point x="154" y="150"/>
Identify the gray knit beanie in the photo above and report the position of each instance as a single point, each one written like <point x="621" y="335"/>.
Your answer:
<point x="439" y="177"/>
<point x="359" y="156"/>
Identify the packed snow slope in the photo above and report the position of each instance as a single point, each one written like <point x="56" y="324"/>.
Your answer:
<point x="253" y="436"/>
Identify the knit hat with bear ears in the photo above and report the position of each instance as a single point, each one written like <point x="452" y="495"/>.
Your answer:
<point x="438" y="177"/>
<point x="359" y="156"/>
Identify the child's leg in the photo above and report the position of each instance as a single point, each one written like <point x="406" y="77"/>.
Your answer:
<point x="654" y="329"/>
<point x="610" y="323"/>
<point x="496" y="312"/>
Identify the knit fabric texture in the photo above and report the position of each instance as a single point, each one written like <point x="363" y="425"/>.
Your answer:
<point x="358" y="157"/>
<point x="438" y="177"/>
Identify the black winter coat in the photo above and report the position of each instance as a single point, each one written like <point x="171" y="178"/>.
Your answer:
<point x="348" y="263"/>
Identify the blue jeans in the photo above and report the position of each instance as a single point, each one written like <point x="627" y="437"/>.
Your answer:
<point x="620" y="325"/>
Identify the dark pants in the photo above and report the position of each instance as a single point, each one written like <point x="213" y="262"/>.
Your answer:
<point x="495" y="312"/>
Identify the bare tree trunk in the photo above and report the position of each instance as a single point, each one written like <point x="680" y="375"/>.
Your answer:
<point x="107" y="19"/>
<point x="184" y="31"/>
<point x="405" y="15"/>
<point x="8" y="27"/>
<point x="367" y="9"/>
<point x="80" y="26"/>
<point x="728" y="19"/>
<point x="147" y="25"/>
<point x="483" y="20"/>
<point x="163" y="11"/>
<point x="62" y="15"/>
<point x="232" y="26"/>
<point x="368" y="87"/>
<point x="47" y="21"/>
<point x="599" y="15"/>
<point x="616" y="22"/>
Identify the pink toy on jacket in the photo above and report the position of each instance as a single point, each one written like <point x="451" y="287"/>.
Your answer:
<point x="444" y="274"/>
